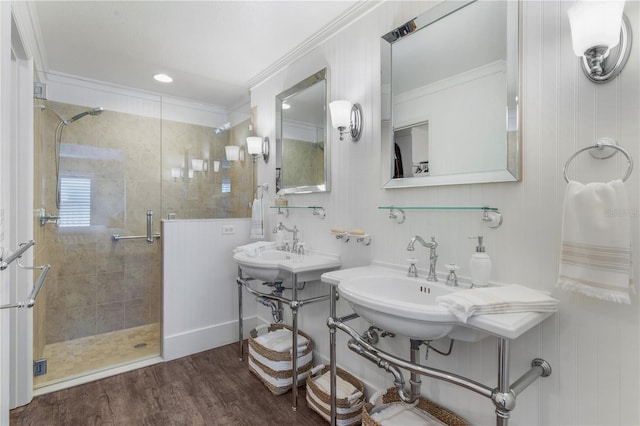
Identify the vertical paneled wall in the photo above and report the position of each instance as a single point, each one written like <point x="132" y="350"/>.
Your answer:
<point x="593" y="346"/>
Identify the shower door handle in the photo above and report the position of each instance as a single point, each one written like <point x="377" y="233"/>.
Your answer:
<point x="150" y="237"/>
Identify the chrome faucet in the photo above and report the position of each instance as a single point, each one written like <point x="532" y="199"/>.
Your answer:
<point x="433" y="256"/>
<point x="295" y="246"/>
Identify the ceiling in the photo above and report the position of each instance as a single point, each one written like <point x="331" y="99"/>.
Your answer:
<point x="212" y="49"/>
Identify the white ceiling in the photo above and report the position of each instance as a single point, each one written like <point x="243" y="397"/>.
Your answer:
<point x="212" y="49"/>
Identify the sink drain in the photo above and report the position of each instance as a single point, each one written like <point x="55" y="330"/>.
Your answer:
<point x="140" y="345"/>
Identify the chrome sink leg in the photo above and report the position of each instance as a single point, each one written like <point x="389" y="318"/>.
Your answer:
<point x="240" y="320"/>
<point x="294" y="349"/>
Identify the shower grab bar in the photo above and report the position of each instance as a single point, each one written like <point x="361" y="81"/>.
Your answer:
<point x="4" y="263"/>
<point x="31" y="299"/>
<point x="150" y="237"/>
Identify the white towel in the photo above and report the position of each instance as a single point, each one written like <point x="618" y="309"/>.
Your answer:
<point x="402" y="414"/>
<point x="595" y="257"/>
<point x="281" y="340"/>
<point x="507" y="299"/>
<point x="344" y="389"/>
<point x="255" y="249"/>
<point x="257" y="222"/>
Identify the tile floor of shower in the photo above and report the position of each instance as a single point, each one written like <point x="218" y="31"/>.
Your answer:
<point x="76" y="358"/>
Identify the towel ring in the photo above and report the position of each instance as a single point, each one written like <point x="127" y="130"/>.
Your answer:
<point x="597" y="151"/>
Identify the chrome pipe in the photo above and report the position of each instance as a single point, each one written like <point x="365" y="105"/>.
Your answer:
<point x="420" y="369"/>
<point x="539" y="368"/>
<point x="294" y="344"/>
<point x="332" y="356"/>
<point x="4" y="263"/>
<point x="240" y="317"/>
<point x="118" y="237"/>
<point x="31" y="300"/>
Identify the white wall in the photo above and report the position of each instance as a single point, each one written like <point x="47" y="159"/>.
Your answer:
<point x="593" y="346"/>
<point x="199" y="288"/>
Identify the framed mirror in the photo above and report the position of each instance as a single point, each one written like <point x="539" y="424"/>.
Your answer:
<point x="302" y="148"/>
<point x="450" y="96"/>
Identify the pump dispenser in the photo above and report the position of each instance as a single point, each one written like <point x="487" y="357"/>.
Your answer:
<point x="480" y="266"/>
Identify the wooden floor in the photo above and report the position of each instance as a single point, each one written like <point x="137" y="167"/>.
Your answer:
<point x="209" y="388"/>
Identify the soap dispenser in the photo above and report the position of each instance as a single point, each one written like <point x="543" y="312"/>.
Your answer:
<point x="480" y="265"/>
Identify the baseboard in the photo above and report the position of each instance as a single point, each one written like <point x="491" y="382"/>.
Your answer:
<point x="202" y="339"/>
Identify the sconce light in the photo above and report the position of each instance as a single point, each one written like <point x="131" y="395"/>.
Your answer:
<point x="258" y="147"/>
<point x="232" y="152"/>
<point x="347" y="117"/>
<point x="601" y="35"/>
<point x="199" y="165"/>
<point x="216" y="166"/>
<point x="176" y="172"/>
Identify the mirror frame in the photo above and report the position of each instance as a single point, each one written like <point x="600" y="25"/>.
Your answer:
<point x="320" y="76"/>
<point x="513" y="137"/>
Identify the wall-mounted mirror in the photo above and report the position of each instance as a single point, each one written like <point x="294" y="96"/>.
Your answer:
<point x="302" y="148"/>
<point x="450" y="94"/>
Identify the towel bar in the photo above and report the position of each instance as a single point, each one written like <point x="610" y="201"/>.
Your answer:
<point x="597" y="151"/>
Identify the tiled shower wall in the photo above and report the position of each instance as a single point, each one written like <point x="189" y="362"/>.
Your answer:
<point x="97" y="285"/>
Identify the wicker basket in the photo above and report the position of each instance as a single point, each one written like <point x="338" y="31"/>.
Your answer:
<point x="347" y="412"/>
<point x="274" y="368"/>
<point x="391" y="397"/>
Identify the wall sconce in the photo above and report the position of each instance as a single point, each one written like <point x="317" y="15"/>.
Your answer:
<point x="258" y="147"/>
<point x="176" y="172"/>
<point x="347" y="117"/>
<point x="232" y="152"/>
<point x="199" y="165"/>
<point x="601" y="35"/>
<point x="216" y="166"/>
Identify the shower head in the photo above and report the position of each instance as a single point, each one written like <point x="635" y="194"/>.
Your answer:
<point x="95" y="111"/>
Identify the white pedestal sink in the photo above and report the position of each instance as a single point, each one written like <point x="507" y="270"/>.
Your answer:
<point x="276" y="265"/>
<point x="387" y="298"/>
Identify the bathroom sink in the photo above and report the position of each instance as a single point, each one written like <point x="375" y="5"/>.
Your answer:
<point x="382" y="294"/>
<point x="277" y="265"/>
<point x="400" y="304"/>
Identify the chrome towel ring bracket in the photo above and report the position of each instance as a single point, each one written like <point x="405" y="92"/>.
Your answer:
<point x="604" y="148"/>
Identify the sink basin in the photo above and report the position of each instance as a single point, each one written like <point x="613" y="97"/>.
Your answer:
<point x="382" y="294"/>
<point x="402" y="305"/>
<point x="277" y="265"/>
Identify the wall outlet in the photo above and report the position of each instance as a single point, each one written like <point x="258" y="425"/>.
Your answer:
<point x="228" y="229"/>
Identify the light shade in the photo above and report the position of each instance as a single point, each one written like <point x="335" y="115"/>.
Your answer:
<point x="176" y="172"/>
<point x="595" y="23"/>
<point x="197" y="164"/>
<point x="232" y="152"/>
<point x="340" y="113"/>
<point x="216" y="166"/>
<point x="254" y="145"/>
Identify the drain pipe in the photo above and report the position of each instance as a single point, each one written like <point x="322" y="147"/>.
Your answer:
<point x="276" y="311"/>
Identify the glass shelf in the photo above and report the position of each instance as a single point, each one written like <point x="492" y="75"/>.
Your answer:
<point x="480" y="208"/>
<point x="284" y="210"/>
<point x="295" y="207"/>
<point x="491" y="215"/>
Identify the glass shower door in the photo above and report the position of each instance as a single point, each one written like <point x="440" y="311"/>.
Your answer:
<point x="102" y="304"/>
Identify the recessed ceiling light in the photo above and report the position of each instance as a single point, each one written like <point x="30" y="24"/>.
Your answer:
<point x="285" y="105"/>
<point x="163" y="78"/>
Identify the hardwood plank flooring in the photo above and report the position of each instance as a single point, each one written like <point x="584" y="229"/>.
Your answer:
<point x="208" y="388"/>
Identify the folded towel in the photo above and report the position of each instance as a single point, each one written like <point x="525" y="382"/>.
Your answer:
<point x="281" y="341"/>
<point x="254" y="249"/>
<point x="508" y="299"/>
<point x="257" y="222"/>
<point x="344" y="389"/>
<point x="595" y="257"/>
<point x="405" y="415"/>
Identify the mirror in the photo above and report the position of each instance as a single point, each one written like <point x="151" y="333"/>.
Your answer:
<point x="450" y="92"/>
<point x="302" y="149"/>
